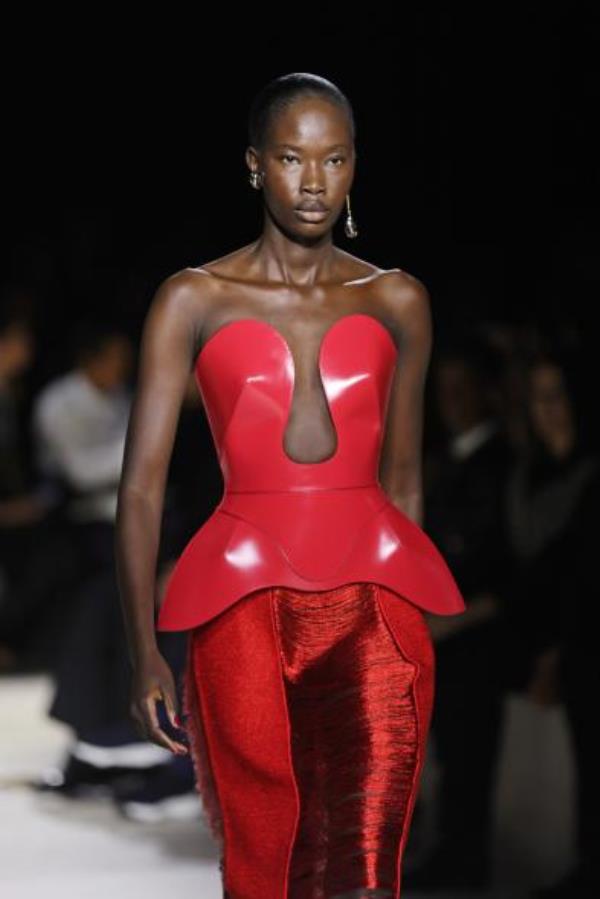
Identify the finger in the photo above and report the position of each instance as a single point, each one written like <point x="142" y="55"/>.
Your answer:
<point x="156" y="732"/>
<point x="171" y="710"/>
<point x="155" y="729"/>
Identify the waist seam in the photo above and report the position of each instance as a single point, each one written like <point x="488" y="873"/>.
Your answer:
<point x="368" y="486"/>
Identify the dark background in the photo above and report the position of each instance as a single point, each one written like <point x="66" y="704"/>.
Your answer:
<point x="476" y="171"/>
<point x="123" y="162"/>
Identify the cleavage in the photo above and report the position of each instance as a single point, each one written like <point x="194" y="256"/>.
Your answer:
<point x="309" y="436"/>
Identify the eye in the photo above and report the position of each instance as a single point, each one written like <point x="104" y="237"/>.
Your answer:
<point x="339" y="159"/>
<point x="288" y="156"/>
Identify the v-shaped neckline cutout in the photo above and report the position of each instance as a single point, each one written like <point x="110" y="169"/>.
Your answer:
<point x="251" y="321"/>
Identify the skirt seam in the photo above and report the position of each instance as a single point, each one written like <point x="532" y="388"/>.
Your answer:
<point x="200" y="712"/>
<point x="418" y="753"/>
<point x="289" y="743"/>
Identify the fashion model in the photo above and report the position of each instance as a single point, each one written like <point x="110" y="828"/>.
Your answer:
<point x="308" y="689"/>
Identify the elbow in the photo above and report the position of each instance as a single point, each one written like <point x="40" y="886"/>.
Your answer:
<point x="134" y="494"/>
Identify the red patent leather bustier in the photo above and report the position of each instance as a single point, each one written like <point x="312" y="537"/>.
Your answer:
<point x="311" y="526"/>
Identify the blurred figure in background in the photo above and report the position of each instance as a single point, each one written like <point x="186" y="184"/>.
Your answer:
<point x="553" y="498"/>
<point x="25" y="504"/>
<point x="79" y="426"/>
<point x="77" y="438"/>
<point x="464" y="491"/>
<point x="80" y="421"/>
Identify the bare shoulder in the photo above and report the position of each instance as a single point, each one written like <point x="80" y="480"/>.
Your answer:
<point x="186" y="287"/>
<point x="406" y="299"/>
<point x="399" y="289"/>
<point x="186" y="297"/>
<point x="231" y="265"/>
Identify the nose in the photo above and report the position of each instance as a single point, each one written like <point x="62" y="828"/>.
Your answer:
<point x="312" y="190"/>
<point x="313" y="179"/>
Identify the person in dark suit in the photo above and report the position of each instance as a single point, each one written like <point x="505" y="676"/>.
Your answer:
<point x="464" y="489"/>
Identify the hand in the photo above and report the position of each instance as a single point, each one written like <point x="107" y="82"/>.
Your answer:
<point x="153" y="681"/>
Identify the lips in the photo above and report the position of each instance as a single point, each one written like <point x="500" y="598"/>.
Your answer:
<point x="307" y="215"/>
<point x="312" y="207"/>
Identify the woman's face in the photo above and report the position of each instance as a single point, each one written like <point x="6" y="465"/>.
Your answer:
<point x="308" y="160"/>
<point x="549" y="404"/>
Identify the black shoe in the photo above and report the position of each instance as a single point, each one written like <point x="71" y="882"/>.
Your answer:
<point x="78" y="779"/>
<point x="578" y="883"/>
<point x="166" y="795"/>
<point x="443" y="869"/>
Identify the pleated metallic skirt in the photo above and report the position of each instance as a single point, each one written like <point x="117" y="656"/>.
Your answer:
<point x="307" y="715"/>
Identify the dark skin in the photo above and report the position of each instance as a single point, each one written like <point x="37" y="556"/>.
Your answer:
<point x="296" y="279"/>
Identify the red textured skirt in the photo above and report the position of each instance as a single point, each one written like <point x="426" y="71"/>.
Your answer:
<point x="307" y="715"/>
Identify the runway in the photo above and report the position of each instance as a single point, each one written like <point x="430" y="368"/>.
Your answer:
<point x="65" y="849"/>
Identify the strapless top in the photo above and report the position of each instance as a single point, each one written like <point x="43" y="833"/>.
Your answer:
<point x="310" y="526"/>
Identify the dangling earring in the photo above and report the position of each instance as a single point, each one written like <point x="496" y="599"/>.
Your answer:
<point x="349" y="225"/>
<point x="256" y="179"/>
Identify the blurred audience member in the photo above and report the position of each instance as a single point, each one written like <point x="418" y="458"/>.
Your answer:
<point x="79" y="426"/>
<point x="107" y="754"/>
<point x="24" y="503"/>
<point x="77" y="435"/>
<point x="464" y="490"/>
<point x="552" y="503"/>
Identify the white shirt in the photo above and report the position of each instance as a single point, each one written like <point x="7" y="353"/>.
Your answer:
<point x="79" y="435"/>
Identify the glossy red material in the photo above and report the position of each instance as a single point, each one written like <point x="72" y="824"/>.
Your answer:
<point x="308" y="526"/>
<point x="308" y="716"/>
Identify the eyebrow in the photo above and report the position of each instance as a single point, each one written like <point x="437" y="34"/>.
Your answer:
<point x="294" y="147"/>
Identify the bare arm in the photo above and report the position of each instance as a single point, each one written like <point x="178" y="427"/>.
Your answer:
<point x="407" y="302"/>
<point x="166" y="359"/>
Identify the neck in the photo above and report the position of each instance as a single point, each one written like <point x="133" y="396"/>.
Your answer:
<point x="93" y="374"/>
<point x="299" y="263"/>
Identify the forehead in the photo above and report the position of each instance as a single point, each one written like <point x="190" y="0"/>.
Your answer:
<point x="311" y="120"/>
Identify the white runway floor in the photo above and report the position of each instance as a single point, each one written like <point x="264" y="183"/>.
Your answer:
<point x="52" y="848"/>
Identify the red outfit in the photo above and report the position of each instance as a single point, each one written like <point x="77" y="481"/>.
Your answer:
<point x="309" y="684"/>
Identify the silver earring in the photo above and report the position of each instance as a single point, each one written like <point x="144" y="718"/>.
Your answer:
<point x="256" y="179"/>
<point x="349" y="225"/>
